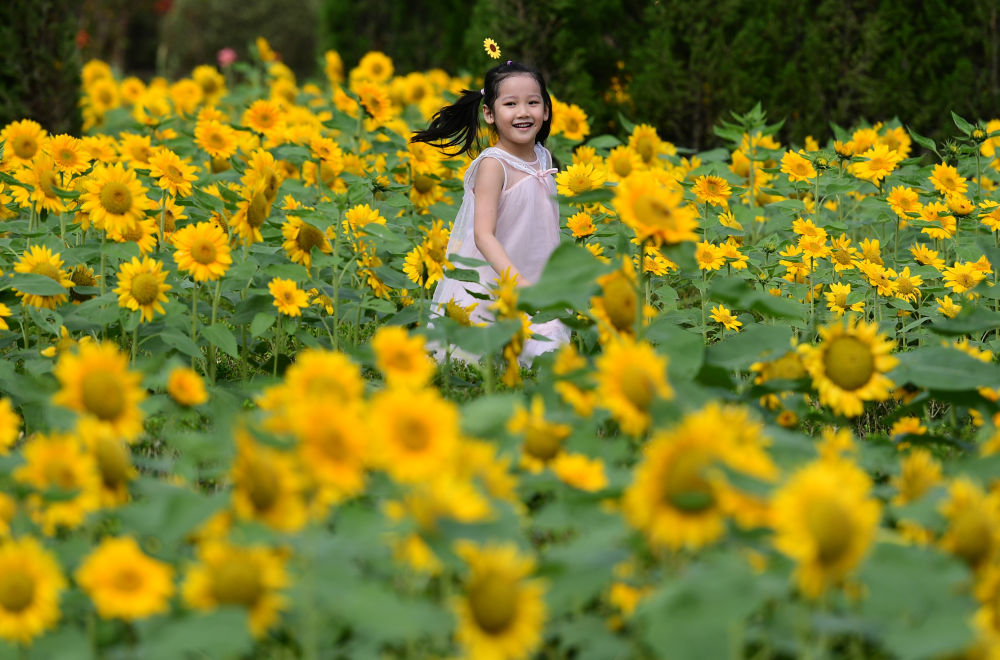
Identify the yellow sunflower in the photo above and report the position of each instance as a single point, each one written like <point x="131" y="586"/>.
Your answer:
<point x="171" y="173"/>
<point x="202" y="250"/>
<point x="973" y="516"/>
<point x="648" y="145"/>
<point x="142" y="286"/>
<point x="114" y="198"/>
<point x="252" y="211"/>
<point x="710" y="189"/>
<point x="266" y="117"/>
<point x="414" y="433"/>
<point x="848" y="366"/>
<point x="288" y="297"/>
<point x="375" y="66"/>
<point x="797" y="167"/>
<point x="579" y="178"/>
<point x="501" y="612"/>
<point x="543" y="440"/>
<point x="59" y="463"/>
<point x="10" y="426"/>
<point x="22" y="140"/>
<point x="67" y="153"/>
<point x="219" y="140"/>
<point x="332" y="448"/>
<point x="125" y="583"/>
<point x="267" y="485"/>
<point x="825" y="519"/>
<point x="654" y="210"/>
<point x="491" y="47"/>
<point x="30" y="583"/>
<point x="95" y="382"/>
<point x="300" y="239"/>
<point x="621" y="162"/>
<point x="186" y="387"/>
<point x="262" y="168"/>
<point x="252" y="577"/>
<point x="919" y="471"/>
<point x="374" y="99"/>
<point x="631" y="376"/>
<point x="325" y="377"/>
<point x="114" y="463"/>
<point x="402" y="358"/>
<point x="40" y="260"/>
<point x="42" y="176"/>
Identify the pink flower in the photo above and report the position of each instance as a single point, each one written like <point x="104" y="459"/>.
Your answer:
<point x="226" y="56"/>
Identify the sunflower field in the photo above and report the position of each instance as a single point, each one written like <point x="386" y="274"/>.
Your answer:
<point x="222" y="435"/>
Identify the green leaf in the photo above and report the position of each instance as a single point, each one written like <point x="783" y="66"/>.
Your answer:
<point x="963" y="125"/>
<point x="757" y="342"/>
<point x="39" y="285"/>
<point x="569" y="263"/>
<point x="943" y="368"/>
<point x="222" y="633"/>
<point x="685" y="349"/>
<point x="590" y="196"/>
<point x="221" y="337"/>
<point x="262" y="321"/>
<point x="604" y="142"/>
<point x="181" y="342"/>
<point x="972" y="320"/>
<point x="924" y="142"/>
<point x="485" y="340"/>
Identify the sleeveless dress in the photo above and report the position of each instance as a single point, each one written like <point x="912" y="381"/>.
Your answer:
<point x="527" y="228"/>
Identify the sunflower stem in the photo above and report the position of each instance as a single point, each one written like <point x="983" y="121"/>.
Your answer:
<point x="163" y="214"/>
<point x="135" y="344"/>
<point x="704" y="292"/>
<point x="211" y="349"/>
<point x="194" y="318"/>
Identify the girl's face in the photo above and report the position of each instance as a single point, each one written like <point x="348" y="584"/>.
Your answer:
<point x="518" y="114"/>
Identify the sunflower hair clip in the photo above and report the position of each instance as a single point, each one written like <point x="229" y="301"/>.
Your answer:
<point x="492" y="48"/>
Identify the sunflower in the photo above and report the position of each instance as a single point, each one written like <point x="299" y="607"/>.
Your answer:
<point x="825" y="518"/>
<point x="333" y="449"/>
<point x="321" y="376"/>
<point x="491" y="47"/>
<point x="10" y="426"/>
<point x="648" y="145"/>
<point x="59" y="463"/>
<point x="375" y="66"/>
<point x="266" y="117"/>
<point x="202" y="250"/>
<point x="402" y="358"/>
<point x="374" y="99"/>
<point x="22" y="140"/>
<point x="579" y="178"/>
<point x="40" y="260"/>
<point x="655" y="211"/>
<point x="797" y="167"/>
<point x="581" y="225"/>
<point x="41" y="175"/>
<point x="907" y="285"/>
<point x="570" y="120"/>
<point x="30" y="583"/>
<point x="186" y="387"/>
<point x="267" y="485"/>
<point x="136" y="149"/>
<point x="904" y="202"/>
<point x="963" y="276"/>
<point x="722" y="314"/>
<point x="114" y="198"/>
<point x="836" y="300"/>
<point x="709" y="256"/>
<point x="219" y="140"/>
<point x="288" y="297"/>
<point x="251" y="577"/>
<point x="252" y="212"/>
<point x="919" y="471"/>
<point x="501" y="613"/>
<point x="880" y="162"/>
<point x="947" y="181"/>
<point x="96" y="383"/>
<point x="621" y="162"/>
<point x="425" y="188"/>
<point x="125" y="583"/>
<point x="300" y="239"/>
<point x="543" y="440"/>
<point x="171" y="173"/>
<point x="714" y="190"/>
<point x="114" y="463"/>
<point x="142" y="286"/>
<point x="67" y="153"/>
<point x="973" y="517"/>
<point x="414" y="433"/>
<point x="631" y="376"/>
<point x="848" y="367"/>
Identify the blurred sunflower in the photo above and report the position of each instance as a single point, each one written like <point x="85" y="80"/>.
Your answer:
<point x="267" y="485"/>
<point x="543" y="440"/>
<point x="919" y="472"/>
<point x="300" y="239"/>
<point x="631" y="376"/>
<point x="825" y="519"/>
<point x="655" y="211"/>
<point x="251" y="577"/>
<point x="114" y="198"/>
<point x="39" y="260"/>
<point x="501" y="613"/>
<point x="414" y="433"/>
<point x="186" y="387"/>
<point x="95" y="382"/>
<point x="42" y="176"/>
<point x="849" y="364"/>
<point x="10" y="426"/>
<point x="114" y="463"/>
<point x="142" y="286"/>
<point x="402" y="358"/>
<point x="58" y="462"/>
<point x="125" y="583"/>
<point x="333" y="449"/>
<point x="973" y="516"/>
<point x="22" y="140"/>
<point x="621" y="162"/>
<point x="374" y="66"/>
<point x="30" y="584"/>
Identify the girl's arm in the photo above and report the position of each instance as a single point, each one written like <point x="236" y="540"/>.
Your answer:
<point x="489" y="184"/>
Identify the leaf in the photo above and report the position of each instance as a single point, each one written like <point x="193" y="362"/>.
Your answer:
<point x="684" y="349"/>
<point x="943" y="368"/>
<point x="262" y="321"/>
<point x="222" y="633"/>
<point x="181" y="342"/>
<point x="972" y="320"/>
<point x="221" y="337"/>
<point x="963" y="125"/>
<point x="924" y="142"/>
<point x="568" y="263"/>
<point x="485" y="340"/>
<point x="604" y="142"/>
<point x="756" y="342"/>
<point x="39" y="285"/>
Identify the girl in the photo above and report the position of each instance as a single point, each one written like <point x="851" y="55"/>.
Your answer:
<point x="509" y="217"/>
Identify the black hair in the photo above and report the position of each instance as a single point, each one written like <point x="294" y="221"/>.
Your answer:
<point x="457" y="125"/>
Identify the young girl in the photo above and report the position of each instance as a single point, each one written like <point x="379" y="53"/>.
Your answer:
<point x="509" y="217"/>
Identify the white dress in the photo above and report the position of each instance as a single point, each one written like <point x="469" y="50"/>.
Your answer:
<point x="527" y="228"/>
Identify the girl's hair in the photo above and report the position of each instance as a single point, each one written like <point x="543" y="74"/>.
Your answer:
<point x="457" y="125"/>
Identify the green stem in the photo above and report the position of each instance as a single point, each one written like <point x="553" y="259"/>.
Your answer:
<point x="704" y="293"/>
<point x="135" y="344"/>
<point x="194" y="317"/>
<point x="211" y="349"/>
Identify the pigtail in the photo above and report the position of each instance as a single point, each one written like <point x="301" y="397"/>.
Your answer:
<point x="455" y="125"/>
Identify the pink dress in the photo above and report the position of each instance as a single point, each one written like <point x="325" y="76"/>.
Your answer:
<point x="527" y="228"/>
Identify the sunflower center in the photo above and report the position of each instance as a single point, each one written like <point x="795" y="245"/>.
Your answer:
<point x="203" y="251"/>
<point x="620" y="302"/>
<point x="47" y="182"/>
<point x="309" y="237"/>
<point x="685" y="487"/>
<point x="423" y="183"/>
<point x="17" y="591"/>
<point x="651" y="211"/>
<point x="493" y="601"/>
<point x="25" y="147"/>
<point x="579" y="184"/>
<point x="47" y="269"/>
<point x="173" y="173"/>
<point x="414" y="435"/>
<point x="113" y="461"/>
<point x="830" y="527"/>
<point x="541" y="443"/>
<point x="237" y="582"/>
<point x="145" y="288"/>
<point x="332" y="446"/>
<point x="272" y="185"/>
<point x="61" y="475"/>
<point x="257" y="211"/>
<point x="644" y="147"/>
<point x="849" y="363"/>
<point x="128" y="580"/>
<point x="261" y="484"/>
<point x="971" y="531"/>
<point x="637" y="386"/>
<point x="102" y="395"/>
<point x="220" y="164"/>
<point x="116" y="198"/>
<point x="622" y="167"/>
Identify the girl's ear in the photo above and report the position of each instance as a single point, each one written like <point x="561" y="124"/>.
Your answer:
<point x="487" y="114"/>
